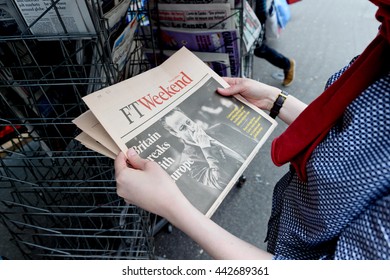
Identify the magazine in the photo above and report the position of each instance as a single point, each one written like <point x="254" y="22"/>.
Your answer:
<point x="213" y="40"/>
<point x="231" y="2"/>
<point x="219" y="62"/>
<point x="172" y="115"/>
<point x="196" y="16"/>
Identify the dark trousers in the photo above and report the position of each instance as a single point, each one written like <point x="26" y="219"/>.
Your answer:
<point x="273" y="57"/>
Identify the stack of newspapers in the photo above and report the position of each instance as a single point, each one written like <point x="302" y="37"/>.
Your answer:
<point x="173" y="115"/>
<point x="77" y="19"/>
<point x="212" y="29"/>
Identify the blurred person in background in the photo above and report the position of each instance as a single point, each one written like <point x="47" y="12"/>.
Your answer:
<point x="271" y="55"/>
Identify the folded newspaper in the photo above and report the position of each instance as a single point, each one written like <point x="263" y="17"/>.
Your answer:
<point x="172" y="114"/>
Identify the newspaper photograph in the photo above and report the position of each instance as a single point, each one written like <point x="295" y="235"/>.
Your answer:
<point x="173" y="115"/>
<point x="196" y="16"/>
<point x="219" y="41"/>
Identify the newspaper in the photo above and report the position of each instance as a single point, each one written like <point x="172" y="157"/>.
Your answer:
<point x="219" y="41"/>
<point x="92" y="144"/>
<point x="231" y="2"/>
<point x="121" y="49"/>
<point x="252" y="27"/>
<point x="64" y="17"/>
<point x="196" y="16"/>
<point x="89" y="124"/>
<point x="172" y="115"/>
<point x="115" y="16"/>
<point x="11" y="23"/>
<point x="219" y="62"/>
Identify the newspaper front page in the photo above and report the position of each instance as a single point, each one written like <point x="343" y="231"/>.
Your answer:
<point x="196" y="16"/>
<point x="231" y="2"/>
<point x="53" y="18"/>
<point x="172" y="115"/>
<point x="252" y="27"/>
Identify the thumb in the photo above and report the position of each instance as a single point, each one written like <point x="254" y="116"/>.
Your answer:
<point x="135" y="160"/>
<point x="229" y="91"/>
<point x="232" y="90"/>
<point x="120" y="162"/>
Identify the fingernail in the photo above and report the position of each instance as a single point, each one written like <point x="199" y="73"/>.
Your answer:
<point x="131" y="152"/>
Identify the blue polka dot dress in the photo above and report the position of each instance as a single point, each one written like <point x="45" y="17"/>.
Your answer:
<point x="343" y="211"/>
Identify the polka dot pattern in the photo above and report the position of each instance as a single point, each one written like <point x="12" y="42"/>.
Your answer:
<point x="343" y="211"/>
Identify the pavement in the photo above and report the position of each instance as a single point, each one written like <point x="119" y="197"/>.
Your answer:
<point x="322" y="36"/>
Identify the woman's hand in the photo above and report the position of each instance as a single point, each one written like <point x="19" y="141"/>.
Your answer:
<point x="259" y="94"/>
<point x="146" y="184"/>
<point x="263" y="96"/>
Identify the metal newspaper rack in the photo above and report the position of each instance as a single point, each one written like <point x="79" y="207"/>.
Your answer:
<point x="58" y="199"/>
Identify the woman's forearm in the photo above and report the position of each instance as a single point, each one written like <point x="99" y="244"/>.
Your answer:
<point x="291" y="108"/>
<point x="216" y="241"/>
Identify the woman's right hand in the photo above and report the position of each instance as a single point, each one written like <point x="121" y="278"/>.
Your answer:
<point x="146" y="184"/>
<point x="257" y="93"/>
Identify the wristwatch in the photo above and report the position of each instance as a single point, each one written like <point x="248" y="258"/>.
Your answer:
<point x="278" y="104"/>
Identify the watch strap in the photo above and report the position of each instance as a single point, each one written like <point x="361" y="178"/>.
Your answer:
<point x="278" y="104"/>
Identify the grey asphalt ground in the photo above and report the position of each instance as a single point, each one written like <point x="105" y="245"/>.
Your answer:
<point x="322" y="36"/>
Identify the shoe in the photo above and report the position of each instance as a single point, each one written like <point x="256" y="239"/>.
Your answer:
<point x="257" y="51"/>
<point x="289" y="74"/>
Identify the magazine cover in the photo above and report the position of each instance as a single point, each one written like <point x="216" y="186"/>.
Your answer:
<point x="231" y="2"/>
<point x="210" y="40"/>
<point x="173" y="115"/>
<point x="217" y="16"/>
<point x="219" y="62"/>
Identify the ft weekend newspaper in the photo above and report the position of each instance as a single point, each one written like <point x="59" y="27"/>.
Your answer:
<point x="173" y="115"/>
